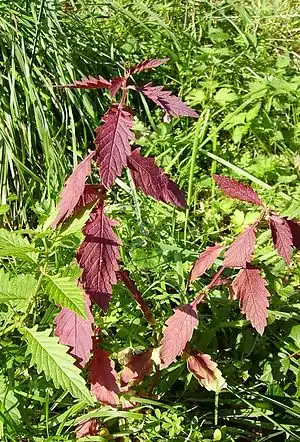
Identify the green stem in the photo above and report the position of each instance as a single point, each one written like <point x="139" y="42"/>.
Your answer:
<point x="148" y="113"/>
<point x="213" y="167"/>
<point x="216" y="414"/>
<point x="37" y="288"/>
<point x="136" y="202"/>
<point x="198" y="137"/>
<point x="8" y="329"/>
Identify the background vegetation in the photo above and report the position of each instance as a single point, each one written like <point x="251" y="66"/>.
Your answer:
<point x="237" y="64"/>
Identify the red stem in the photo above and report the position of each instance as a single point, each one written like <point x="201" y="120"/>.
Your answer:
<point x="123" y="275"/>
<point x="215" y="278"/>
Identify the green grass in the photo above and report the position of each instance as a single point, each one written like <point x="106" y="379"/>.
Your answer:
<point x="44" y="130"/>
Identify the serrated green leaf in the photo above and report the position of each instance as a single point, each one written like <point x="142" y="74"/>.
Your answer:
<point x="5" y="284"/>
<point x="12" y="244"/>
<point x="65" y="292"/>
<point x="18" y="291"/>
<point x="50" y="357"/>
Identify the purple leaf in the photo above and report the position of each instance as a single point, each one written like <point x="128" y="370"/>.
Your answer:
<point x="152" y="180"/>
<point x="91" y="194"/>
<point x="237" y="190"/>
<point x="147" y="64"/>
<point x="139" y="366"/>
<point x="76" y="332"/>
<point x="241" y="250"/>
<point x="205" y="261"/>
<point x="89" y="83"/>
<point x="282" y="237"/>
<point x="179" y="331"/>
<point x="116" y="85"/>
<point x="168" y="102"/>
<point x="87" y="428"/>
<point x="98" y="256"/>
<point x="206" y="371"/>
<point x="112" y="143"/>
<point x="250" y="288"/>
<point x="103" y="378"/>
<point x="73" y="190"/>
<point x="295" y="229"/>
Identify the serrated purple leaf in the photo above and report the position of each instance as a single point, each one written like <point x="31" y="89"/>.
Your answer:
<point x="98" y="256"/>
<point x="116" y="84"/>
<point x="112" y="143"/>
<point x="282" y="237"/>
<point x="237" y="190"/>
<point x="171" y="104"/>
<point x="250" y="288"/>
<point x="241" y="250"/>
<point x="76" y="332"/>
<point x="152" y="180"/>
<point x="147" y="64"/>
<point x="179" y="331"/>
<point x="89" y="83"/>
<point x="73" y="190"/>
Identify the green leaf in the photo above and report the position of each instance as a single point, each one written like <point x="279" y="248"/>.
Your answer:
<point x="282" y="86"/>
<point x="65" y="292"/>
<point x="5" y="285"/>
<point x="9" y="401"/>
<point x="283" y="61"/>
<point x="253" y="112"/>
<point x="18" y="291"/>
<point x="52" y="358"/>
<point x="238" y="133"/>
<point x="12" y="244"/>
<point x="197" y="96"/>
<point x="75" y="224"/>
<point x="236" y="120"/>
<point x="295" y="335"/>
<point x="224" y="96"/>
<point x="3" y="209"/>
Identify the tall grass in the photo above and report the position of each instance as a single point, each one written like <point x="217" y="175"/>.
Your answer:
<point x="43" y="130"/>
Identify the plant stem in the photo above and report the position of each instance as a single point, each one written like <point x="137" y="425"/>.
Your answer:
<point x="217" y="275"/>
<point x="148" y="113"/>
<point x="136" y="202"/>
<point x="213" y="167"/>
<point x="38" y="285"/>
<point x="216" y="408"/>
<point x="198" y="137"/>
<point x="8" y="329"/>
